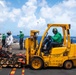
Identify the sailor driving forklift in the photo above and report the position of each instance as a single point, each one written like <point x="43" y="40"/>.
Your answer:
<point x="53" y="41"/>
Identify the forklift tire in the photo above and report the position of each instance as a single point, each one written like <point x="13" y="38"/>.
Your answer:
<point x="36" y="63"/>
<point x="68" y="64"/>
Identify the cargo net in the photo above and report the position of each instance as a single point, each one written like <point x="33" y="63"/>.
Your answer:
<point x="8" y="59"/>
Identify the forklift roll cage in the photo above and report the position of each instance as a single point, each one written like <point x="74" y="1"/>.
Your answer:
<point x="66" y="34"/>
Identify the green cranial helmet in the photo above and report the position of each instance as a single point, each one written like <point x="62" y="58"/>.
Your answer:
<point x="20" y="31"/>
<point x="54" y="30"/>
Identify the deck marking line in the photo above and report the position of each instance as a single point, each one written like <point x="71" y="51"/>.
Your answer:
<point x="23" y="71"/>
<point x="13" y="71"/>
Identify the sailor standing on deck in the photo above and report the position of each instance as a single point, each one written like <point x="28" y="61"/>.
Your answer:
<point x="21" y="37"/>
<point x="3" y="40"/>
<point x="9" y="41"/>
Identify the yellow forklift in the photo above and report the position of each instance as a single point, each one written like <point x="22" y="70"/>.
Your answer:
<point x="61" y="56"/>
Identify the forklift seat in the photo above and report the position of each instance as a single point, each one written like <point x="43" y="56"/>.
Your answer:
<point x="59" y="44"/>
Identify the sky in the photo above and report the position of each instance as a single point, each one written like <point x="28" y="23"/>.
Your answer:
<point x="26" y="15"/>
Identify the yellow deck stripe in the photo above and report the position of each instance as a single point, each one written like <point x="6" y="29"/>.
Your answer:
<point x="13" y="71"/>
<point x="23" y="71"/>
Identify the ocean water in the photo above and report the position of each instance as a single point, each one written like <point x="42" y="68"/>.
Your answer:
<point x="73" y="39"/>
<point x="17" y="37"/>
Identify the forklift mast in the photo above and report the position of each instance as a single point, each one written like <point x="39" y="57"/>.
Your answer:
<point x="30" y="44"/>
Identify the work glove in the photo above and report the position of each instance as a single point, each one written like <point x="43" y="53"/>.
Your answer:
<point x="49" y="37"/>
